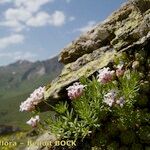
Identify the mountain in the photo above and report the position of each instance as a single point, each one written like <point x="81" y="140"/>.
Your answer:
<point x="18" y="80"/>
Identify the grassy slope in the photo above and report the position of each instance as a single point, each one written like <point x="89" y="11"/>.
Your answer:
<point x="11" y="99"/>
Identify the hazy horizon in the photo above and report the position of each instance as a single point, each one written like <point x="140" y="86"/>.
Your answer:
<point x="32" y="61"/>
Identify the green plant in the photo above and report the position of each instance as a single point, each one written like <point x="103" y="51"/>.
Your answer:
<point x="89" y="112"/>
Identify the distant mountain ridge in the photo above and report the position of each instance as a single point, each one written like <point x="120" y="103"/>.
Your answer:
<point x="18" y="80"/>
<point x="24" y="70"/>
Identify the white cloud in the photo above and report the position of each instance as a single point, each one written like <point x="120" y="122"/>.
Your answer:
<point x="27" y="13"/>
<point x="15" y="18"/>
<point x="11" y="40"/>
<point x="17" y="14"/>
<point x="31" y="5"/>
<point x="88" y="27"/>
<point x="57" y="18"/>
<point x="13" y="24"/>
<point x="41" y="19"/>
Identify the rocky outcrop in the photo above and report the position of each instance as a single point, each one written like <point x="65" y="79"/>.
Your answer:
<point x="123" y="25"/>
<point x="126" y="29"/>
<point x="141" y="5"/>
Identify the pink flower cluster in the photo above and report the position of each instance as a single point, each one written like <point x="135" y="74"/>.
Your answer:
<point x="120" y="71"/>
<point x="111" y="99"/>
<point x="120" y="101"/>
<point x="75" y="90"/>
<point x="33" y="121"/>
<point x="105" y="75"/>
<point x="35" y="98"/>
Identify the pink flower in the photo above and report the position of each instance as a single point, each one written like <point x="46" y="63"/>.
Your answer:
<point x="33" y="121"/>
<point x="35" y="98"/>
<point x="37" y="95"/>
<point x="27" y="105"/>
<point x="105" y="75"/>
<point x="120" y="71"/>
<point x="75" y="90"/>
<point x="110" y="98"/>
<point x="120" y="101"/>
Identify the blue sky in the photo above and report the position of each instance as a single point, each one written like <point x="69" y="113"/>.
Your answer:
<point x="40" y="29"/>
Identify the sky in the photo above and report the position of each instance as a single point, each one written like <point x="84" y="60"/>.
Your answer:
<point x="39" y="29"/>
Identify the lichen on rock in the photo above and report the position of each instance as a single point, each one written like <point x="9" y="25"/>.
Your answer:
<point x="124" y="30"/>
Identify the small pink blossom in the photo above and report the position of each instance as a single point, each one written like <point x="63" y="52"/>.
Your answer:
<point x="105" y="75"/>
<point x="37" y="95"/>
<point x="35" y="98"/>
<point x="120" y="71"/>
<point x="75" y="90"/>
<point x="33" y="121"/>
<point x="27" y="105"/>
<point x="120" y="101"/>
<point x="110" y="98"/>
